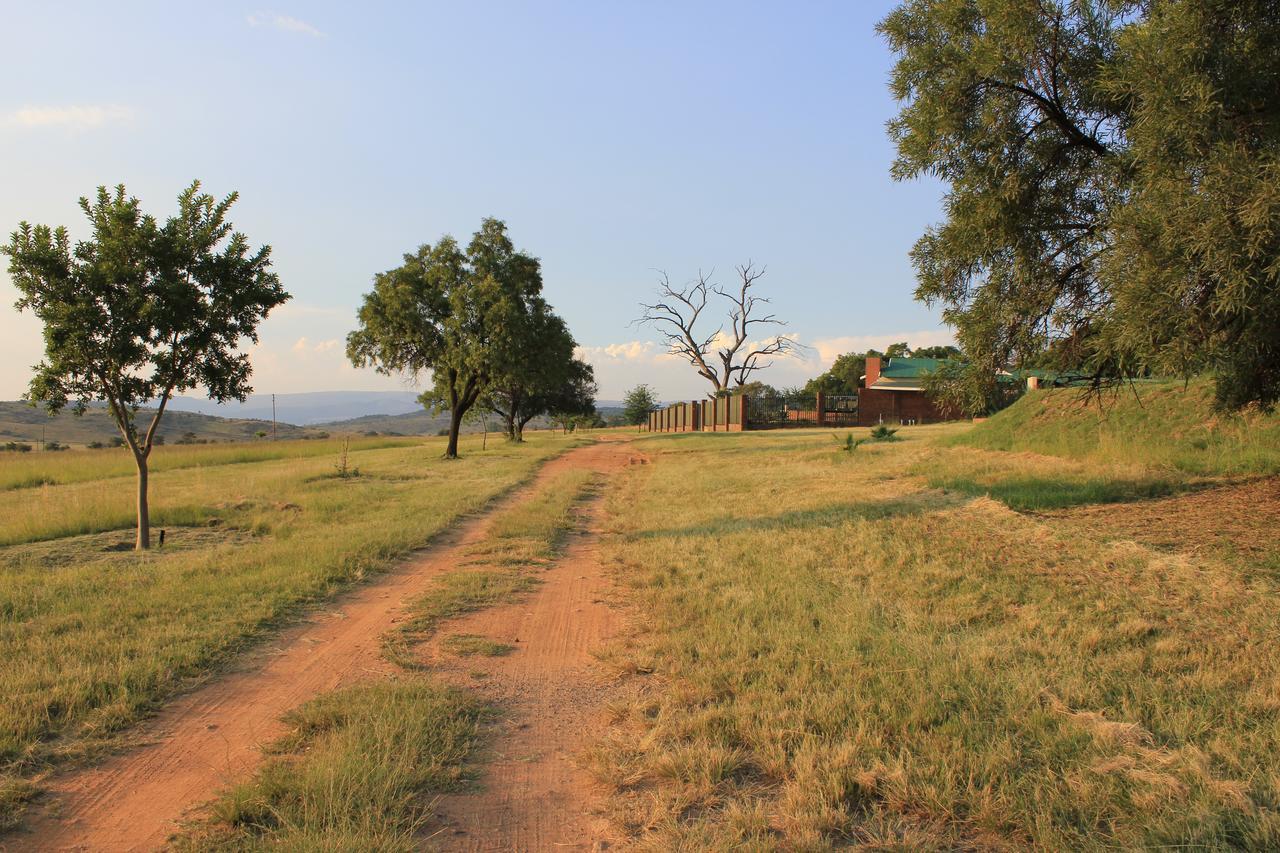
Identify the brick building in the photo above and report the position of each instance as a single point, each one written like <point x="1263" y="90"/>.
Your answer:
<point x="893" y="392"/>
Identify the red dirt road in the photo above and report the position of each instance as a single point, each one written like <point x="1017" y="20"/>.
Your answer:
<point x="213" y="736"/>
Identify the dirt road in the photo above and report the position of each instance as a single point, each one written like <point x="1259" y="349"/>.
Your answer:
<point x="213" y="736"/>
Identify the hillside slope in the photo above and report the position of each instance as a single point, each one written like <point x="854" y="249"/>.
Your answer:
<point x="1163" y="425"/>
<point x="23" y="423"/>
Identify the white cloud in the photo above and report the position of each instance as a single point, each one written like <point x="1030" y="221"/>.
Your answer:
<point x="286" y="23"/>
<point x="72" y="117"/>
<point x="304" y="345"/>
<point x="626" y="351"/>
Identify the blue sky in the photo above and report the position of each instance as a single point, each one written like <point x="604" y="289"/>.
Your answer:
<point x="614" y="138"/>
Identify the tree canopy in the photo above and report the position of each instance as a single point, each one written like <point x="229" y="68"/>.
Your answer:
<point x="460" y="314"/>
<point x="638" y="403"/>
<point x="542" y="376"/>
<point x="1112" y="169"/>
<point x="139" y="311"/>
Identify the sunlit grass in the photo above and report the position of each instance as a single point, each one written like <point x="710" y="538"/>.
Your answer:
<point x="90" y="639"/>
<point x="1170" y="426"/>
<point x="841" y="654"/>
<point x="29" y="470"/>
<point x="355" y="774"/>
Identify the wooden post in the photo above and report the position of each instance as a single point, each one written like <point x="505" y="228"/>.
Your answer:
<point x="820" y="406"/>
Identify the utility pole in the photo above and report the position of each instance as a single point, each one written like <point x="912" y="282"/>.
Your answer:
<point x="273" y="417"/>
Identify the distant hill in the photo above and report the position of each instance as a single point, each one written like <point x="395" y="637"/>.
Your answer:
<point x="307" y="409"/>
<point x="23" y="423"/>
<point x="410" y="423"/>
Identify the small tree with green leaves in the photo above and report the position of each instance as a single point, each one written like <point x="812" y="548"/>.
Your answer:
<point x="142" y="311"/>
<point x="637" y="404"/>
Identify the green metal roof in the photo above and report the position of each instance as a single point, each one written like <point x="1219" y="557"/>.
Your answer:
<point x="909" y="368"/>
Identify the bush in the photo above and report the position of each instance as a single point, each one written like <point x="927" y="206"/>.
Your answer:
<point x="54" y="445"/>
<point x="17" y="447"/>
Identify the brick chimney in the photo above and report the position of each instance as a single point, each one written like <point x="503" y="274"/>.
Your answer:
<point x="873" y="370"/>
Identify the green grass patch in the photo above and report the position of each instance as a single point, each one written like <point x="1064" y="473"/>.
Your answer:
<point x="1156" y="425"/>
<point x="357" y="773"/>
<point x="469" y="645"/>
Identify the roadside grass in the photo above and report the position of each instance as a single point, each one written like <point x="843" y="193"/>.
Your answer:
<point x="92" y="638"/>
<point x="31" y="470"/>
<point x="357" y="773"/>
<point x="1160" y="425"/>
<point x="835" y="654"/>
<point x="521" y="537"/>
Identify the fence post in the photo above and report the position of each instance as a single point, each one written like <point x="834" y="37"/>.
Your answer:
<point x="821" y="406"/>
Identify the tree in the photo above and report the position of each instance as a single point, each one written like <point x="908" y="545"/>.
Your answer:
<point x="637" y="404"/>
<point x="1111" y="169"/>
<point x="574" y="400"/>
<point x="676" y="315"/>
<point x="898" y="350"/>
<point x="542" y="373"/>
<point x="946" y="352"/>
<point x="844" y="377"/>
<point x="456" y="314"/>
<point x="140" y="312"/>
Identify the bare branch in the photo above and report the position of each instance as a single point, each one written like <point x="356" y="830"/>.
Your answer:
<point x="677" y="312"/>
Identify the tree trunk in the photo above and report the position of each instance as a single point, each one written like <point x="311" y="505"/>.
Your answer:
<point x="455" y="426"/>
<point x="144" y="512"/>
<point x="511" y="427"/>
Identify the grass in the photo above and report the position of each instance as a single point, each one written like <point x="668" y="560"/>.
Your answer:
<point x="839" y="654"/>
<point x="1031" y="482"/>
<point x="93" y="638"/>
<point x="469" y="645"/>
<point x="1168" y="426"/>
<point x="32" y="470"/>
<point x="356" y="773"/>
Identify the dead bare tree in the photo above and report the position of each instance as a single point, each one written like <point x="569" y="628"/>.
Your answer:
<point x="676" y="314"/>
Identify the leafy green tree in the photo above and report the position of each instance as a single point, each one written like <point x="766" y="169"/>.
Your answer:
<point x="140" y="312"/>
<point x="542" y="373"/>
<point x="455" y="313"/>
<point x="574" y="400"/>
<point x="844" y="376"/>
<point x="1112" y="194"/>
<point x="946" y="352"/>
<point x="637" y="404"/>
<point x="898" y="350"/>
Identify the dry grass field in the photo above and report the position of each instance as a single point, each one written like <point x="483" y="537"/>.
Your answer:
<point x="92" y="636"/>
<point x="1048" y="631"/>
<point x="922" y="644"/>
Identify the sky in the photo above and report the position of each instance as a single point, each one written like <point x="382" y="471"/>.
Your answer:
<point x="614" y="139"/>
